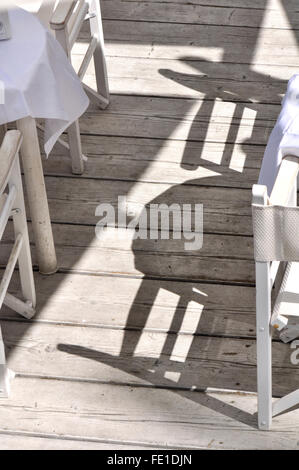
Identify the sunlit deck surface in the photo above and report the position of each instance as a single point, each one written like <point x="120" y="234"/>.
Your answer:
<point x="139" y="343"/>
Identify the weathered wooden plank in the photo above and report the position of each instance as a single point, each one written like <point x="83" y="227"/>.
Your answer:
<point x="194" y="13"/>
<point x="132" y="357"/>
<point x="195" y="79"/>
<point x="194" y="110"/>
<point x="120" y="125"/>
<point x="211" y="42"/>
<point x="225" y="210"/>
<point x="163" y="119"/>
<point x="290" y="6"/>
<point x="77" y="192"/>
<point x="156" y="161"/>
<point x="162" y="258"/>
<point x="224" y="310"/>
<point x="222" y="258"/>
<point x="17" y="441"/>
<point x="78" y="201"/>
<point x="167" y="117"/>
<point x="155" y="417"/>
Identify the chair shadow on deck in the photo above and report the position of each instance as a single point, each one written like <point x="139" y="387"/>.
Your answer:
<point x="135" y="366"/>
<point x="203" y="361"/>
<point x="219" y="371"/>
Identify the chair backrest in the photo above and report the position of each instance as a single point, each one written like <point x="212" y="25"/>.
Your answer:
<point x="276" y="218"/>
<point x="8" y="153"/>
<point x="12" y="205"/>
<point x="44" y="10"/>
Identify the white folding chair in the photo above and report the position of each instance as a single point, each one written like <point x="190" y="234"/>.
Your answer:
<point x="67" y="21"/>
<point x="276" y="252"/>
<point x="65" y="18"/>
<point x="12" y="205"/>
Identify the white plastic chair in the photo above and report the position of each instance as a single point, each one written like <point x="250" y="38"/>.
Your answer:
<point x="12" y="204"/>
<point x="276" y="252"/>
<point x="65" y="18"/>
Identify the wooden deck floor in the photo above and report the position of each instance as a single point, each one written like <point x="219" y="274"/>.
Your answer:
<point x="128" y="333"/>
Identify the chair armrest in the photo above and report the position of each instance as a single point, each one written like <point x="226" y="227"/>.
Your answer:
<point x="285" y="180"/>
<point x="62" y="14"/>
<point x="8" y="151"/>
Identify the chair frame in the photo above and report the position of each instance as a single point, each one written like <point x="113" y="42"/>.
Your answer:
<point x="67" y="21"/>
<point x="12" y="205"/>
<point x="284" y="193"/>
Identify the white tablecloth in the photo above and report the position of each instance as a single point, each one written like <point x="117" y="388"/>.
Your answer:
<point x="38" y="78"/>
<point x="284" y="138"/>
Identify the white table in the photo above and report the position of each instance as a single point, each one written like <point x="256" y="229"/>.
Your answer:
<point x="39" y="82"/>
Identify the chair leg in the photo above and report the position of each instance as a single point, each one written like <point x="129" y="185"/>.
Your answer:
<point x="74" y="139"/>
<point x="264" y="345"/>
<point x="4" y="392"/>
<point x="20" y="227"/>
<point x="6" y="375"/>
<point x="96" y="29"/>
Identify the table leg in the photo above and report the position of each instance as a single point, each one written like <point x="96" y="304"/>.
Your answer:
<point x="37" y="196"/>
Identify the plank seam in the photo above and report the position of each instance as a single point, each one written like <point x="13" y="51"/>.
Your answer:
<point x="176" y="23"/>
<point x="69" y="437"/>
<point x="129" y="328"/>
<point x="204" y="390"/>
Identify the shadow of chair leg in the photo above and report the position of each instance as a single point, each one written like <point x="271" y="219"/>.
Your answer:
<point x="199" y="397"/>
<point x="139" y="313"/>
